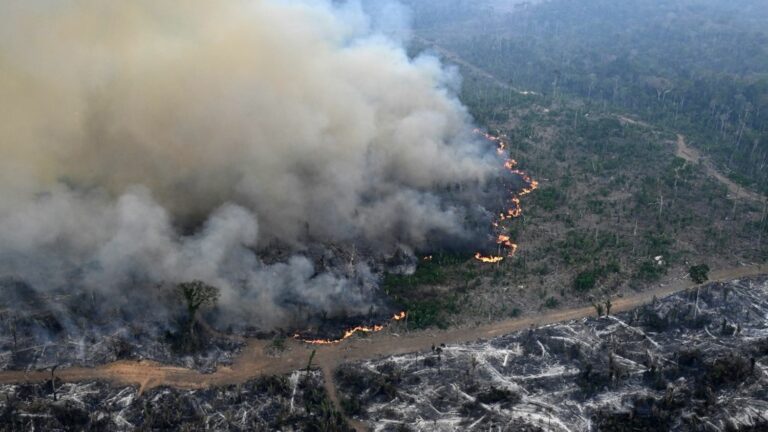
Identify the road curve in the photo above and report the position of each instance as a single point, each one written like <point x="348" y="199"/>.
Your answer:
<point x="690" y="154"/>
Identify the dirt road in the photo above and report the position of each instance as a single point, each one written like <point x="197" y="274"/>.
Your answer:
<point x="253" y="361"/>
<point x="692" y="155"/>
<point x="683" y="150"/>
<point x="456" y="59"/>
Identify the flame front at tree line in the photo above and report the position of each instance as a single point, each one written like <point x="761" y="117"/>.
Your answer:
<point x="503" y="240"/>
<point x="515" y="210"/>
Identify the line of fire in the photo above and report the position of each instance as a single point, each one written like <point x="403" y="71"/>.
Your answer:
<point x="499" y="226"/>
<point x="514" y="211"/>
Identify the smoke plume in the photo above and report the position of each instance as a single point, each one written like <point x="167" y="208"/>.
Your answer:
<point x="151" y="142"/>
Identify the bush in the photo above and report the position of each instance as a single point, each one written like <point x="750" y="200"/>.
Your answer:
<point x="429" y="313"/>
<point x="551" y="303"/>
<point x="649" y="271"/>
<point x="549" y="198"/>
<point x="585" y="280"/>
<point x="699" y="273"/>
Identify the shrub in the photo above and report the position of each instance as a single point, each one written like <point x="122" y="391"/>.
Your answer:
<point x="585" y="280"/>
<point x="551" y="303"/>
<point x="699" y="273"/>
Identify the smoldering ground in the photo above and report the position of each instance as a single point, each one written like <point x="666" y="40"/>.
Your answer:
<point x="148" y="143"/>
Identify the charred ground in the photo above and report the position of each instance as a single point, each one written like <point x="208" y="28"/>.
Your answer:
<point x="692" y="361"/>
<point x="296" y="402"/>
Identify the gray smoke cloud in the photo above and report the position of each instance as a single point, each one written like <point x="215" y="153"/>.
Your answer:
<point x="264" y="124"/>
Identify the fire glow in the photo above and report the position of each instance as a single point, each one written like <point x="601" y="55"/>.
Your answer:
<point x="514" y="211"/>
<point x="351" y="332"/>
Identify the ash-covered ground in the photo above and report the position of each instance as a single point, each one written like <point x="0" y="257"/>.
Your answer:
<point x="695" y="361"/>
<point x="296" y="402"/>
<point x="78" y="327"/>
<point x="40" y="332"/>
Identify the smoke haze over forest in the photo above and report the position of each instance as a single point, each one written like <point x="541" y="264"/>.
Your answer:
<point x="147" y="143"/>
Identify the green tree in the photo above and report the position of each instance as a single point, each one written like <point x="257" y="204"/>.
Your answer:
<point x="196" y="294"/>
<point x="699" y="273"/>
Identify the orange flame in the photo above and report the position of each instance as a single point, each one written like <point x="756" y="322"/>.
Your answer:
<point x="488" y="259"/>
<point x="516" y="210"/>
<point x="498" y="140"/>
<point x="350" y="332"/>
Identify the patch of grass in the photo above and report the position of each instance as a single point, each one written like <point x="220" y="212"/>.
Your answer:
<point x="428" y="273"/>
<point x="551" y="303"/>
<point x="433" y="272"/>
<point x="416" y="293"/>
<point x="587" y="279"/>
<point x="549" y="198"/>
<point x="649" y="271"/>
<point x="430" y="313"/>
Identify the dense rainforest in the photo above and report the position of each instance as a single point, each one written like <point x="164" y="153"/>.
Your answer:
<point x="698" y="67"/>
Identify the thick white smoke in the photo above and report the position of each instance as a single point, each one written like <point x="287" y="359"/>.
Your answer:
<point x="276" y="122"/>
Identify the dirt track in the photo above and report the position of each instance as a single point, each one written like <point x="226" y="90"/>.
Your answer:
<point x="692" y="155"/>
<point x="456" y="59"/>
<point x="253" y="361"/>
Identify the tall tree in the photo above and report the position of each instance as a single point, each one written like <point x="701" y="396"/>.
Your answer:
<point x="196" y="294"/>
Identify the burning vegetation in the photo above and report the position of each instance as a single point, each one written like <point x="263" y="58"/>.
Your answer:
<point x="515" y="210"/>
<point x="220" y="171"/>
<point x="351" y="332"/>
